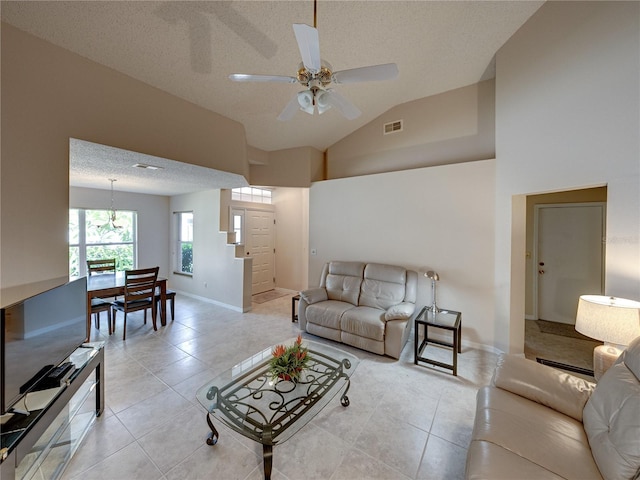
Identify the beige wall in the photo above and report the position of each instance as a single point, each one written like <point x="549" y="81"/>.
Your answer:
<point x="49" y="95"/>
<point x="567" y="117"/>
<point x="292" y="237"/>
<point x="438" y="218"/>
<point x="455" y="126"/>
<point x="293" y="167"/>
<point x="586" y="195"/>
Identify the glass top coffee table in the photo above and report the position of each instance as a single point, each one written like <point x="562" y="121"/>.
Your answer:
<point x="249" y="401"/>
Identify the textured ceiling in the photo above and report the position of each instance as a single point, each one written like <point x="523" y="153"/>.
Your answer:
<point x="92" y="165"/>
<point x="189" y="48"/>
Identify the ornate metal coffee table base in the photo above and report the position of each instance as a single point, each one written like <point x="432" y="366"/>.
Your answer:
<point x="247" y="399"/>
<point x="267" y="450"/>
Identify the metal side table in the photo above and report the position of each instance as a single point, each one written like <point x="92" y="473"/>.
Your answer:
<point x="444" y="319"/>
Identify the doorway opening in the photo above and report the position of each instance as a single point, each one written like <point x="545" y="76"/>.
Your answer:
<point x="565" y="234"/>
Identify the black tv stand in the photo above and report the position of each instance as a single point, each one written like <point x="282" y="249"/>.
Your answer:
<point x="23" y="431"/>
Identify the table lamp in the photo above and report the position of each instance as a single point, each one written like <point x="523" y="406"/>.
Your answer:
<point x="434" y="278"/>
<point x="614" y="321"/>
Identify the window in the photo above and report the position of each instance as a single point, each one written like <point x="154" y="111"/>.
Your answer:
<point x="184" y="259"/>
<point x="251" y="194"/>
<point x="237" y="224"/>
<point x="93" y="234"/>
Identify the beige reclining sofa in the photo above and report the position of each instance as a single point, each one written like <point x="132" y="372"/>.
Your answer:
<point x="366" y="305"/>
<point x="536" y="422"/>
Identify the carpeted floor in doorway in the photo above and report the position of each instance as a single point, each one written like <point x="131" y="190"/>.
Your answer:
<point x="556" y="328"/>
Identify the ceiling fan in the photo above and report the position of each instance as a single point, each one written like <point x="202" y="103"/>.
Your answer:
<point x="317" y="75"/>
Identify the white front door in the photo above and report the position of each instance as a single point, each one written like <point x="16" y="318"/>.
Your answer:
<point x="260" y="243"/>
<point x="570" y="257"/>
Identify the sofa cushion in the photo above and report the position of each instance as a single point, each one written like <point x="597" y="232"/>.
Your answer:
<point x="553" y="388"/>
<point x="365" y="322"/>
<point x="314" y="295"/>
<point x="343" y="281"/>
<point x="383" y="286"/>
<point x="402" y="311"/>
<point x="612" y="418"/>
<point x="543" y="436"/>
<point x="486" y="460"/>
<point x="328" y="313"/>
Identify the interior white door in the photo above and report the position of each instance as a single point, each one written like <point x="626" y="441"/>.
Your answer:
<point x="260" y="242"/>
<point x="570" y="256"/>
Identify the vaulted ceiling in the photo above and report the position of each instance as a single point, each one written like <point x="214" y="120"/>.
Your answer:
<point x="189" y="49"/>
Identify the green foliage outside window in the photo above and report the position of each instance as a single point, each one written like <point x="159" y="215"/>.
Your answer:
<point x="103" y="238"/>
<point x="187" y="257"/>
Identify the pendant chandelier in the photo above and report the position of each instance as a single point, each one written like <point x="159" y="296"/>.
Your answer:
<point x="112" y="211"/>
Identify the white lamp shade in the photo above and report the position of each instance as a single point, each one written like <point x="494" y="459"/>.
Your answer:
<point x="608" y="319"/>
<point x="322" y="101"/>
<point x="305" y="100"/>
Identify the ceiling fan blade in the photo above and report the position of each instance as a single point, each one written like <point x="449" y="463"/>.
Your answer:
<point x="243" y="77"/>
<point x="387" y="71"/>
<point x="309" y="45"/>
<point x="290" y="110"/>
<point x="349" y="110"/>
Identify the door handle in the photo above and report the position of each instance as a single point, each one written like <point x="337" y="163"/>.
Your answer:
<point x="541" y="264"/>
<point x="541" y="272"/>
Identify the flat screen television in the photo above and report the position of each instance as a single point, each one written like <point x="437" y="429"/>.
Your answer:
<point x="39" y="333"/>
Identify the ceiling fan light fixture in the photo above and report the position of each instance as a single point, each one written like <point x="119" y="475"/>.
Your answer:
<point x="305" y="100"/>
<point x="322" y="101"/>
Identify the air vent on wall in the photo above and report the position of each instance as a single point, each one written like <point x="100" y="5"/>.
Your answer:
<point x="392" y="127"/>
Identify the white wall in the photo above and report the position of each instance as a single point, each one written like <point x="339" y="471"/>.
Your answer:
<point x="217" y="275"/>
<point x="567" y="116"/>
<point x="153" y="220"/>
<point x="439" y="218"/>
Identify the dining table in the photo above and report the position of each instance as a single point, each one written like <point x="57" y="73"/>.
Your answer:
<point x="112" y="285"/>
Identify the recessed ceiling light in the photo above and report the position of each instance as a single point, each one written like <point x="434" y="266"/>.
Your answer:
<point x="147" y="167"/>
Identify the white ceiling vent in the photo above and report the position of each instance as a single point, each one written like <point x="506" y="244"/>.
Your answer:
<point x="147" y="167"/>
<point x="392" y="127"/>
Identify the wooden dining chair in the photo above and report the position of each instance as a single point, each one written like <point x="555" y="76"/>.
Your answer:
<point x="171" y="297"/>
<point x="139" y="294"/>
<point x="105" y="265"/>
<point x="96" y="267"/>
<point x="99" y="305"/>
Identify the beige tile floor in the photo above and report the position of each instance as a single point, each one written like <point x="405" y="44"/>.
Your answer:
<point x="404" y="421"/>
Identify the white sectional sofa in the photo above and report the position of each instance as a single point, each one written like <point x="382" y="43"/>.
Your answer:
<point x="535" y="422"/>
<point x="366" y="305"/>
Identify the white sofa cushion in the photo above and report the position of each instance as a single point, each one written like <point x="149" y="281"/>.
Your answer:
<point x="314" y="295"/>
<point x="383" y="286"/>
<point x="612" y="418"/>
<point x="552" y="388"/>
<point x="537" y="442"/>
<point x="328" y="313"/>
<point x="365" y="322"/>
<point x="343" y="281"/>
<point x="402" y="311"/>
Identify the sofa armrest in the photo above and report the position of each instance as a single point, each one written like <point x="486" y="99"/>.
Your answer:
<point x="402" y="311"/>
<point x="314" y="295"/>
<point x="548" y="386"/>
